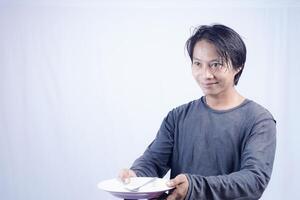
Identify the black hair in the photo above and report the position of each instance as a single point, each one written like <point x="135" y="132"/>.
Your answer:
<point x="228" y="43"/>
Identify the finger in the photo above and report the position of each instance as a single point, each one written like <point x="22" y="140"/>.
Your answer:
<point x="181" y="178"/>
<point x="124" y="175"/>
<point x="173" y="196"/>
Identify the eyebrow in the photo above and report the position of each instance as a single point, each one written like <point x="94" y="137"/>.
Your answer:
<point x="216" y="59"/>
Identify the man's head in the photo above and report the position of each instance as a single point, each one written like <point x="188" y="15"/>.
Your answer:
<point x="227" y="42"/>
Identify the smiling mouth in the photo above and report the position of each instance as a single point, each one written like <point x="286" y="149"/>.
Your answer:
<point x="209" y="84"/>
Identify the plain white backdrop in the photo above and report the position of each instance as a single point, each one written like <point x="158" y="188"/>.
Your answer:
<point x="84" y="86"/>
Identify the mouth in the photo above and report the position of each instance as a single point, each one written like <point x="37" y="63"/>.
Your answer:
<point x="209" y="84"/>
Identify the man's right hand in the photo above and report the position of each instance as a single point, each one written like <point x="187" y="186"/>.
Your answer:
<point x="126" y="174"/>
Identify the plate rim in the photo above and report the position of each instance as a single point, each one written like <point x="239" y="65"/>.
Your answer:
<point x="130" y="192"/>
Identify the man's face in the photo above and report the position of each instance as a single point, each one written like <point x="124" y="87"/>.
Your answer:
<point x="214" y="76"/>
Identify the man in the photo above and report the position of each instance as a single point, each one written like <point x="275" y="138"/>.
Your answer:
<point x="222" y="145"/>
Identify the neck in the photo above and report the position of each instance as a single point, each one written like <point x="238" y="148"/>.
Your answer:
<point x="224" y="101"/>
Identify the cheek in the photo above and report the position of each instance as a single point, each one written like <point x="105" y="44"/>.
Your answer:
<point x="195" y="74"/>
<point x="228" y="81"/>
<point x="197" y="78"/>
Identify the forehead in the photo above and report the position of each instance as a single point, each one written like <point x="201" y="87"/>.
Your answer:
<point x="205" y="51"/>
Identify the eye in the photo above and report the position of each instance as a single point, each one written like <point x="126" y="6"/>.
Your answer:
<point x="215" y="65"/>
<point x="196" y="63"/>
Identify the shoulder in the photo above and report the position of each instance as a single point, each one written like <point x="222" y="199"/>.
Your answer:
<point x="187" y="106"/>
<point x="186" y="109"/>
<point x="257" y="112"/>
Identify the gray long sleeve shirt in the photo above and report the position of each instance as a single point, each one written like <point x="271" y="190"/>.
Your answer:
<point x="225" y="154"/>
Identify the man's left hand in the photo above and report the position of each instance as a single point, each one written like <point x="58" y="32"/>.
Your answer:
<point x="181" y="185"/>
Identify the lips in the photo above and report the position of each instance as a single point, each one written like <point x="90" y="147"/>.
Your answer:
<point x="209" y="84"/>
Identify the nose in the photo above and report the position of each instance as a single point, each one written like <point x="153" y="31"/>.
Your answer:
<point x="207" y="73"/>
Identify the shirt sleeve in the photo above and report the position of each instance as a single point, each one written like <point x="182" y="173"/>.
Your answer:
<point x="257" y="156"/>
<point x="155" y="162"/>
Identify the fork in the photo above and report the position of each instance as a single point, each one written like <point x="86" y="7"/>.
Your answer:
<point x="136" y="189"/>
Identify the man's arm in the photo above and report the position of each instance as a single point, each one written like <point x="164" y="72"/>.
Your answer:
<point x="256" y="167"/>
<point x="155" y="161"/>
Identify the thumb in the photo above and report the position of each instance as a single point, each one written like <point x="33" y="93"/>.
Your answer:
<point x="176" y="181"/>
<point x="170" y="183"/>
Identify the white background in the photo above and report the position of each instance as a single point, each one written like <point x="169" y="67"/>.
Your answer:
<point x="84" y="86"/>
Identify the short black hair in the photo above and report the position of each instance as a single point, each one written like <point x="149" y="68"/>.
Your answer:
<point x="228" y="43"/>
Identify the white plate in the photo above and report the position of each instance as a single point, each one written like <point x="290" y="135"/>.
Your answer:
<point x="151" y="190"/>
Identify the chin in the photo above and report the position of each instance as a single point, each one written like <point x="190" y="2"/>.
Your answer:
<point x="207" y="91"/>
<point x="210" y="92"/>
